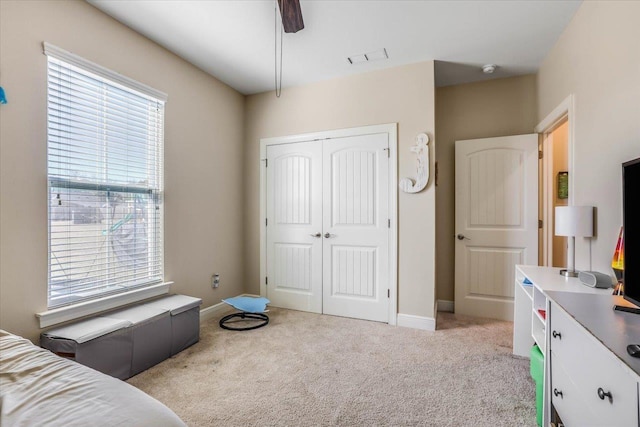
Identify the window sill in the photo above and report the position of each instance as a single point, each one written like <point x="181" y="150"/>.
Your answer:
<point x="76" y="311"/>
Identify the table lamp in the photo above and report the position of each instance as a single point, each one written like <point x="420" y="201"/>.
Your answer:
<point x="573" y="221"/>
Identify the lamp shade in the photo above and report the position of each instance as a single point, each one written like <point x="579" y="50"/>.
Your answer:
<point x="576" y="221"/>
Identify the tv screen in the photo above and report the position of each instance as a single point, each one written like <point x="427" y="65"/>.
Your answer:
<point x="631" y="224"/>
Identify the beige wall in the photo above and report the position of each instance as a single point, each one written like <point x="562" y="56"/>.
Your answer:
<point x="597" y="59"/>
<point x="475" y="110"/>
<point x="203" y="152"/>
<point x="403" y="95"/>
<point x="212" y="145"/>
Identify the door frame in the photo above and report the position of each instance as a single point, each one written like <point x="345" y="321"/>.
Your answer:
<point x="565" y="110"/>
<point x="392" y="130"/>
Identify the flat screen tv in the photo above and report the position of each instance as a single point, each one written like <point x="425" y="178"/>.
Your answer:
<point x="631" y="227"/>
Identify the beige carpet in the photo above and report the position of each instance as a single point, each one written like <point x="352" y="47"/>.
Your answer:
<point x="306" y="369"/>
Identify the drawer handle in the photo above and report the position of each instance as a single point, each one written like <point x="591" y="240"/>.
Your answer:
<point x="602" y="395"/>
<point x="557" y="393"/>
<point x="557" y="335"/>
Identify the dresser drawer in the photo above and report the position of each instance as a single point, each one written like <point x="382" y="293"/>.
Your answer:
<point x="566" y="398"/>
<point x="605" y="385"/>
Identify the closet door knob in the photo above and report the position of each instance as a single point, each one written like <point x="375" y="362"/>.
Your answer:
<point x="557" y="335"/>
<point x="557" y="393"/>
<point x="602" y="394"/>
<point x="327" y="235"/>
<point x="318" y="234"/>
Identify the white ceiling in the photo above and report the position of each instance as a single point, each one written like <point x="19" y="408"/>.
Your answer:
<point x="234" y="39"/>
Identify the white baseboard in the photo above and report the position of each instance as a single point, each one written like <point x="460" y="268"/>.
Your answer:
<point x="416" y="322"/>
<point x="214" y="311"/>
<point x="219" y="308"/>
<point x="445" y="306"/>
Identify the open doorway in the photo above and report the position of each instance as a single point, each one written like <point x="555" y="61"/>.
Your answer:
<point x="557" y="180"/>
<point x="555" y="187"/>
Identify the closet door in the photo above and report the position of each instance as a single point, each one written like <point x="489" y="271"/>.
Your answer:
<point x="294" y="228"/>
<point x="355" y="227"/>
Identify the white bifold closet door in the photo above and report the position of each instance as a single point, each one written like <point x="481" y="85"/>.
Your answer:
<point x="355" y="216"/>
<point x="294" y="227"/>
<point x="328" y="231"/>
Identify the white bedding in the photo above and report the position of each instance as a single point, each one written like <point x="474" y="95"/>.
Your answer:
<point x="38" y="388"/>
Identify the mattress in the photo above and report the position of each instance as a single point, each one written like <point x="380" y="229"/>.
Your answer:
<point x="38" y="388"/>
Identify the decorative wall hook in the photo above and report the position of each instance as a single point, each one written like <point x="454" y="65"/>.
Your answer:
<point x="422" y="151"/>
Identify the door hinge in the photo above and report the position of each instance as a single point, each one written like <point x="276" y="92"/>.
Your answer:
<point x="389" y="223"/>
<point x="266" y="222"/>
<point x="266" y="280"/>
<point x="539" y="223"/>
<point x="266" y="162"/>
<point x="540" y="154"/>
<point x="388" y="293"/>
<point x="388" y="152"/>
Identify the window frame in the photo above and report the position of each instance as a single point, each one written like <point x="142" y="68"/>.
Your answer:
<point x="106" y="300"/>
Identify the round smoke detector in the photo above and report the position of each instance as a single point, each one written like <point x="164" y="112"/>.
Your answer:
<point x="489" y="68"/>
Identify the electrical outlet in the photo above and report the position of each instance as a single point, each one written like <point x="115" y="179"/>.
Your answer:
<point x="215" y="280"/>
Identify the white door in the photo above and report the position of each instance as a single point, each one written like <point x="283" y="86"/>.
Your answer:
<point x="327" y="233"/>
<point x="294" y="228"/>
<point x="356" y="227"/>
<point x="496" y="221"/>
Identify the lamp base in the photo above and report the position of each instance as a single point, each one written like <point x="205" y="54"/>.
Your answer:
<point x="568" y="273"/>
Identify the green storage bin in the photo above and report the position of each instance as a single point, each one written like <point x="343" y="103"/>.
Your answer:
<point x="537" y="373"/>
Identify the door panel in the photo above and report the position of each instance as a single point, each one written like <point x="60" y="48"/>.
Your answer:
<point x="294" y="214"/>
<point x="292" y="266"/>
<point x="354" y="187"/>
<point x="292" y="195"/>
<point x="496" y="221"/>
<point x="496" y="186"/>
<point x="489" y="271"/>
<point x="356" y="210"/>
<point x="354" y="271"/>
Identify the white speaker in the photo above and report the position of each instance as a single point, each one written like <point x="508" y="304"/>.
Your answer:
<point x="595" y="279"/>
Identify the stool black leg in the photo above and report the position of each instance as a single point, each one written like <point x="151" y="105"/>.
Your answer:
<point x="244" y="315"/>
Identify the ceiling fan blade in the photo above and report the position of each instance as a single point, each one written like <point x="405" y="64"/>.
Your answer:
<point x="291" y="15"/>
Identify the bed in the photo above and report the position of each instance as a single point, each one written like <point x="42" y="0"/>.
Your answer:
<point x="38" y="388"/>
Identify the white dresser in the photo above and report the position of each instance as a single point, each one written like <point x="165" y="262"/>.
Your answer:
<point x="589" y="379"/>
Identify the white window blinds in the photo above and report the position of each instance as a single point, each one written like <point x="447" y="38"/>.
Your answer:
<point x="105" y="162"/>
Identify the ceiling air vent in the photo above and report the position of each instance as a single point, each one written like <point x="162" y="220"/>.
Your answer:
<point x="368" y="57"/>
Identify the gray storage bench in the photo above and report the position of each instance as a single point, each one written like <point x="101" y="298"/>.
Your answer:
<point x="100" y="343"/>
<point x="185" y="319"/>
<point x="151" y="343"/>
<point x="124" y="343"/>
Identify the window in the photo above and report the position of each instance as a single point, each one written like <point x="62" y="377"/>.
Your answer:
<point x="105" y="163"/>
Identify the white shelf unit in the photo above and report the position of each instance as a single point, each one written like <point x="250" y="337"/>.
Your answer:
<point x="529" y="290"/>
<point x="538" y="331"/>
<point x="539" y="319"/>
<point x="529" y="325"/>
<point x="522" y="320"/>
<point x="540" y="304"/>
